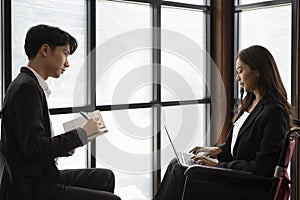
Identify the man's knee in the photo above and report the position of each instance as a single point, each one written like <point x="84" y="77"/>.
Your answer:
<point x="109" y="176"/>
<point x="117" y="198"/>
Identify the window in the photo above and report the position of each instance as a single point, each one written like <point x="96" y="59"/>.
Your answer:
<point x="130" y="65"/>
<point x="187" y="128"/>
<point x="125" y="63"/>
<point x="241" y="2"/>
<point x="270" y="27"/>
<point x="197" y="2"/>
<point x="69" y="16"/>
<point x="186" y="80"/>
<point x="126" y="149"/>
<point x="125" y="79"/>
<point x="182" y="79"/>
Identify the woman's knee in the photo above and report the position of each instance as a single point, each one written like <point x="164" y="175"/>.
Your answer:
<point x="174" y="161"/>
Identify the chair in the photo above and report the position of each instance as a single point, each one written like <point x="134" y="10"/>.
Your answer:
<point x="280" y="188"/>
<point x="6" y="180"/>
<point x="204" y="182"/>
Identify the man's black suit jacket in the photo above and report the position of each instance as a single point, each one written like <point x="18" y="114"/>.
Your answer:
<point x="259" y="140"/>
<point x="26" y="138"/>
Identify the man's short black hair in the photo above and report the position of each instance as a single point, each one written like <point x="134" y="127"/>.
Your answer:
<point x="44" y="34"/>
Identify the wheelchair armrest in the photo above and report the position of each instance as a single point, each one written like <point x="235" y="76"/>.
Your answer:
<point x="201" y="169"/>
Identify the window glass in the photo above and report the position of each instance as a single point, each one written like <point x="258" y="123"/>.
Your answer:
<point x="78" y="159"/>
<point x="242" y="2"/>
<point x="197" y="2"/>
<point x="270" y="28"/>
<point x="187" y="128"/>
<point x="183" y="54"/>
<point x="129" y="140"/>
<point x="69" y="16"/>
<point x="123" y="59"/>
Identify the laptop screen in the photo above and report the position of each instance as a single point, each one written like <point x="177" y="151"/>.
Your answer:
<point x="173" y="147"/>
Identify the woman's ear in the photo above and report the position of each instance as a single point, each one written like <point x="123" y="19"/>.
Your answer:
<point x="256" y="72"/>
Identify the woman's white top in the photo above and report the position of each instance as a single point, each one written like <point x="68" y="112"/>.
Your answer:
<point x="236" y="128"/>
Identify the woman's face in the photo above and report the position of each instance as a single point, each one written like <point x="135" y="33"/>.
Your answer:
<point x="247" y="77"/>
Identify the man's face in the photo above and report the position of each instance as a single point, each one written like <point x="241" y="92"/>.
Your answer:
<point x="57" y="61"/>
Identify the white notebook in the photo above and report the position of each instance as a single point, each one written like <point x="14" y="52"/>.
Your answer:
<point x="80" y="121"/>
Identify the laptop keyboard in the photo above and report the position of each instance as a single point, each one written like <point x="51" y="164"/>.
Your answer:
<point x="187" y="158"/>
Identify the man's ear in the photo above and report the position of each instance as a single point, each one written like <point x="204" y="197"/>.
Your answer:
<point x="45" y="50"/>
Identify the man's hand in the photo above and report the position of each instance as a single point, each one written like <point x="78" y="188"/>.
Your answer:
<point x="92" y="126"/>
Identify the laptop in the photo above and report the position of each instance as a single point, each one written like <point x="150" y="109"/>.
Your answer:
<point x="184" y="159"/>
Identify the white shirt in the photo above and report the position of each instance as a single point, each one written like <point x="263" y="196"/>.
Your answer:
<point x="42" y="83"/>
<point x="46" y="90"/>
<point x="237" y="126"/>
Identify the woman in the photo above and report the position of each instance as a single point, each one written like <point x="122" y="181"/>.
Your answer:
<point x="254" y="141"/>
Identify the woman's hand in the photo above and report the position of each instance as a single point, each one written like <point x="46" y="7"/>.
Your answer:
<point x="207" y="151"/>
<point x="203" y="160"/>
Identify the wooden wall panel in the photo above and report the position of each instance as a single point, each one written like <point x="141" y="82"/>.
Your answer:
<point x="222" y="54"/>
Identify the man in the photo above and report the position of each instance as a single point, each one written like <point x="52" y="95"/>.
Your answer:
<point x="26" y="133"/>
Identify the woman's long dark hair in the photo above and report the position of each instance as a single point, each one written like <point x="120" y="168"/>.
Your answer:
<point x="270" y="84"/>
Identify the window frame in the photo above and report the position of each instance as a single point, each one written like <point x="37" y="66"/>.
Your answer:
<point x="294" y="67"/>
<point x="6" y="44"/>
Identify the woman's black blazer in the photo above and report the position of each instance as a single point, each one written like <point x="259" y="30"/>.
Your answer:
<point x="259" y="140"/>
